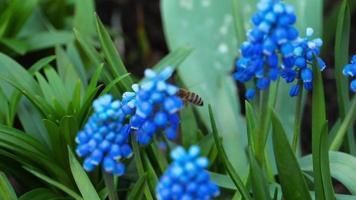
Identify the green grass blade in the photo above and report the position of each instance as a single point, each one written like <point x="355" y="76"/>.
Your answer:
<point x="84" y="20"/>
<point x="6" y="190"/>
<point x="341" y="55"/>
<point x="18" y="77"/>
<point x="323" y="187"/>
<point x="55" y="184"/>
<point x="251" y="125"/>
<point x="258" y="179"/>
<point x="189" y="127"/>
<point x="117" y="80"/>
<point x="174" y="58"/>
<point x="342" y="167"/>
<point x="291" y="177"/>
<point x="344" y="127"/>
<point x="40" y="194"/>
<point x="81" y="178"/>
<point x="136" y="190"/>
<point x="111" y="54"/>
<point x="41" y="64"/>
<point x="140" y="168"/>
<point x="228" y="166"/>
<point x="15" y="16"/>
<point x="46" y="40"/>
<point x="341" y="59"/>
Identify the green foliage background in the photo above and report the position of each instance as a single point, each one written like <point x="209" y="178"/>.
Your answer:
<point x="45" y="104"/>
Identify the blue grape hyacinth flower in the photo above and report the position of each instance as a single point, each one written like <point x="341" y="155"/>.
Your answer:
<point x="350" y="70"/>
<point x="104" y="138"/>
<point x="304" y="52"/>
<point x="186" y="178"/>
<point x="270" y="40"/>
<point x="157" y="107"/>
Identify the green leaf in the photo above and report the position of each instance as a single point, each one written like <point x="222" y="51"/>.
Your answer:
<point x="342" y="40"/>
<point x="136" y="191"/>
<point x="55" y="184"/>
<point x="309" y="14"/>
<point x="17" y="76"/>
<point x="207" y="27"/>
<point x="45" y="40"/>
<point x="323" y="186"/>
<point x="4" y="107"/>
<point x="188" y="126"/>
<point x="6" y="190"/>
<point x="31" y="121"/>
<point x="112" y="56"/>
<point x="227" y="164"/>
<point x="81" y="178"/>
<point x="117" y="80"/>
<point x="15" y="16"/>
<point x="258" y="179"/>
<point x="39" y="194"/>
<point x="291" y="177"/>
<point x="41" y="64"/>
<point x="251" y="125"/>
<point x="152" y="178"/>
<point x="222" y="180"/>
<point x="342" y="167"/>
<point x="174" y="58"/>
<point x="15" y="45"/>
<point x="140" y="168"/>
<point x="84" y="20"/>
<point x="345" y="125"/>
<point x="341" y="55"/>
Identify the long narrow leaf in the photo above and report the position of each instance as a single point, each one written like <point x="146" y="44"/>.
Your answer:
<point x="112" y="56"/>
<point x="228" y="166"/>
<point x="291" y="177"/>
<point x="6" y="190"/>
<point x="55" y="184"/>
<point x="323" y="187"/>
<point x="81" y="178"/>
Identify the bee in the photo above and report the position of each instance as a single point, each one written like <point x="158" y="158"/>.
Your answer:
<point x="191" y="97"/>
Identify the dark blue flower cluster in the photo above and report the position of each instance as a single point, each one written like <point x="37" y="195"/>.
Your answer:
<point x="186" y="178"/>
<point x="157" y="106"/>
<point x="350" y="70"/>
<point x="104" y="138"/>
<point x="304" y="52"/>
<point x="272" y="35"/>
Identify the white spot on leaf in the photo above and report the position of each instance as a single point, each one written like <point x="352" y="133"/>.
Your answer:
<point x="223" y="48"/>
<point x="206" y="3"/>
<point x="187" y="4"/>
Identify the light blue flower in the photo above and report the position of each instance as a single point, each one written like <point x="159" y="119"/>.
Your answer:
<point x="104" y="138"/>
<point x="350" y="70"/>
<point x="186" y="178"/>
<point x="157" y="107"/>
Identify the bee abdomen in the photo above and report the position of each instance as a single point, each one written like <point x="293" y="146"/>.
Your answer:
<point x="195" y="99"/>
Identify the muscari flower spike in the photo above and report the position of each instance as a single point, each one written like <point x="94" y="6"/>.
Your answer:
<point x="350" y="70"/>
<point x="104" y="138"/>
<point x="304" y="52"/>
<point x="269" y="39"/>
<point x="186" y="178"/>
<point x="157" y="107"/>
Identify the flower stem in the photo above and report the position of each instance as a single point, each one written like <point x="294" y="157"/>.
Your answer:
<point x="347" y="123"/>
<point x="109" y="183"/>
<point x="262" y="131"/>
<point x="297" y="119"/>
